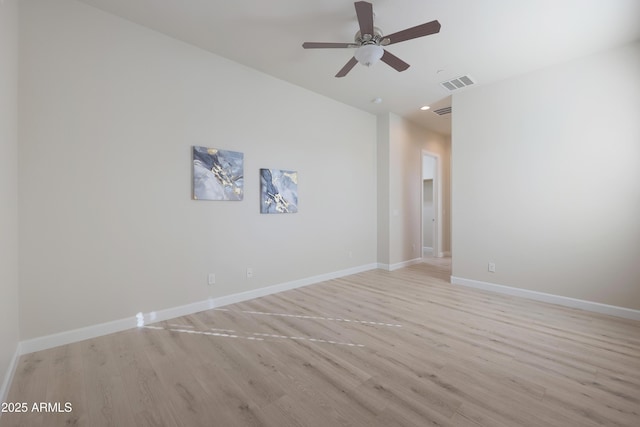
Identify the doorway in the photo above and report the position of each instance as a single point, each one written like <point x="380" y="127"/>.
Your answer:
<point x="431" y="230"/>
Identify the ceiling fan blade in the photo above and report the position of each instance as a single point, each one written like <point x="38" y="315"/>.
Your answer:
<point x="322" y="45"/>
<point x="343" y="72"/>
<point x="414" y="32"/>
<point x="394" y="62"/>
<point x="364" y="11"/>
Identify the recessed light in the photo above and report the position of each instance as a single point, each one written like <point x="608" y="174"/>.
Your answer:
<point x="425" y="108"/>
<point x="376" y="100"/>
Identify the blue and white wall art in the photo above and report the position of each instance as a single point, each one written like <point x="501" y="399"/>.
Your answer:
<point x="217" y="174"/>
<point x="278" y="191"/>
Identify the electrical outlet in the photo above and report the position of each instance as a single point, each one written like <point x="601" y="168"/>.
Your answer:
<point x="211" y="279"/>
<point x="492" y="267"/>
<point x="249" y="272"/>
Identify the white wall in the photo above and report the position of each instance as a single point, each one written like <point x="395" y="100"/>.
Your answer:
<point x="8" y="188"/>
<point x="383" y="214"/>
<point x="109" y="111"/>
<point x="546" y="173"/>
<point x="402" y="152"/>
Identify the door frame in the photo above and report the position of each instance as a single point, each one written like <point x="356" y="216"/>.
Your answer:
<point x="437" y="203"/>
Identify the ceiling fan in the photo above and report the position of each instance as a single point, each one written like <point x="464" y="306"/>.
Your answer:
<point x="369" y="41"/>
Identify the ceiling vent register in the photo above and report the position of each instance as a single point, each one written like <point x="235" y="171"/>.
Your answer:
<point x="443" y="111"/>
<point x="458" y="83"/>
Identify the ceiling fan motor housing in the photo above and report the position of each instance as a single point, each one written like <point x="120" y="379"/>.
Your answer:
<point x="376" y="38"/>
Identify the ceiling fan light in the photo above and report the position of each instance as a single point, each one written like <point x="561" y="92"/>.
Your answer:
<point x="369" y="54"/>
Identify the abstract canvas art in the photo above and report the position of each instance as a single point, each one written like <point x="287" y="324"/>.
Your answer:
<point x="278" y="191"/>
<point x="217" y="174"/>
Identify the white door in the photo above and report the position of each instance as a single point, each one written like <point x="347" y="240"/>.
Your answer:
<point x="430" y="204"/>
<point x="428" y="217"/>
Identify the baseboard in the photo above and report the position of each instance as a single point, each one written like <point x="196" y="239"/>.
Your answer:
<point x="81" y="334"/>
<point x="595" y="307"/>
<point x="274" y="289"/>
<point x="8" y="376"/>
<point x="392" y="267"/>
<point x="75" y="335"/>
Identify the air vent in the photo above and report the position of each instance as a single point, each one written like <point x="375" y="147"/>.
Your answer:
<point x="458" y="83"/>
<point x="443" y="111"/>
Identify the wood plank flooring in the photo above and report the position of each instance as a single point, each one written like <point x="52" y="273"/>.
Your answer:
<point x="402" y="348"/>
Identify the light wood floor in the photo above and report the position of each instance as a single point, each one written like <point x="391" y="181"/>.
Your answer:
<point x="401" y="348"/>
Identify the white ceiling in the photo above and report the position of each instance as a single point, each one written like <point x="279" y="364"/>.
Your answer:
<point x="488" y="39"/>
